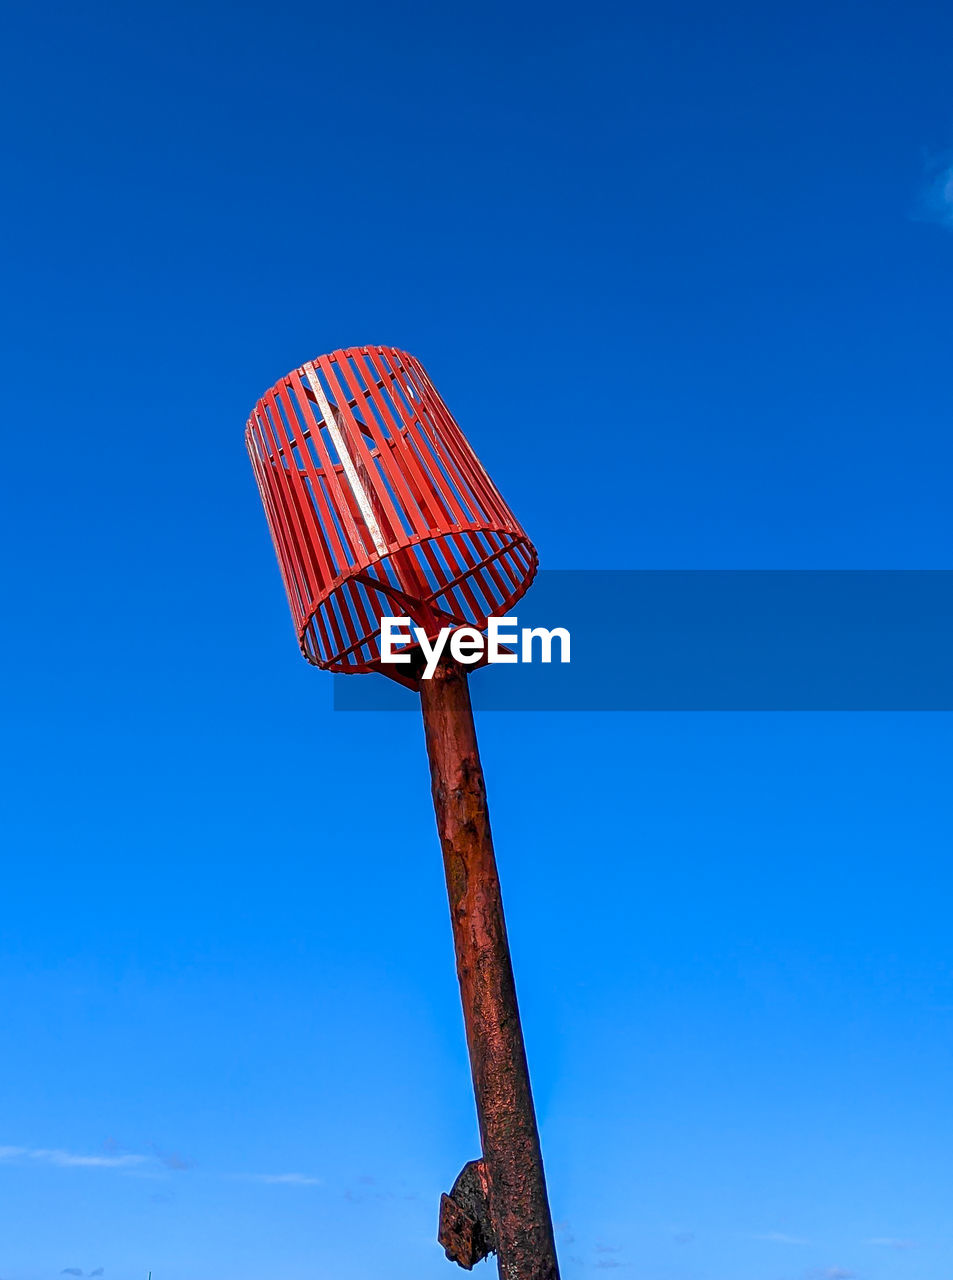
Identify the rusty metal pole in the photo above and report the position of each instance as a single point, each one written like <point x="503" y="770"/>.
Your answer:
<point x="498" y="1203"/>
<point x="377" y="503"/>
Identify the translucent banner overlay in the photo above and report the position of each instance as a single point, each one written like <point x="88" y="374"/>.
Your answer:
<point x="719" y="640"/>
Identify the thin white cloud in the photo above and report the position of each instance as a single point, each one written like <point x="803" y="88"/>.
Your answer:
<point x="891" y="1242"/>
<point x="142" y="1166"/>
<point x="936" y="204"/>
<point x="779" y="1237"/>
<point x="70" y="1159"/>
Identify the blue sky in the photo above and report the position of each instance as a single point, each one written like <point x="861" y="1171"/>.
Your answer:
<point x="703" y="250"/>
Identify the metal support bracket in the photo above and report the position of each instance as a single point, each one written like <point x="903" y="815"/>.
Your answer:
<point x="465" y="1230"/>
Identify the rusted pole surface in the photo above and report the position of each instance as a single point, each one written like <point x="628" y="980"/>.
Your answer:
<point x="500" y="1202"/>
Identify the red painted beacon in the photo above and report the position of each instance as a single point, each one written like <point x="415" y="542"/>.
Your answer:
<point x="378" y="507"/>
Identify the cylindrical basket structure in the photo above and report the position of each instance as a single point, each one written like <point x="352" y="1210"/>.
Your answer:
<point x="378" y="507"/>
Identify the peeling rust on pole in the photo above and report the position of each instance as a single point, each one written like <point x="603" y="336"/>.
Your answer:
<point x="511" y="1172"/>
<point x="466" y="1231"/>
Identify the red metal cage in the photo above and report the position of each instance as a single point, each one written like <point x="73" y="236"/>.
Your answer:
<point x="378" y="507"/>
